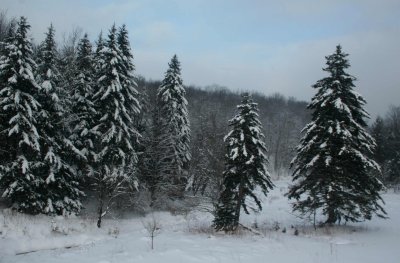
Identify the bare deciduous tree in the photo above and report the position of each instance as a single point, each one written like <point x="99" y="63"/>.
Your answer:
<point x="153" y="227"/>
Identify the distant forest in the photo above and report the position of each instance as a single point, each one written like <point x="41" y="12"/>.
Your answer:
<point x="211" y="107"/>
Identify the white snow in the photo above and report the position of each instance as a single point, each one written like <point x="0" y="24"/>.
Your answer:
<point x="342" y="106"/>
<point x="251" y="159"/>
<point x="328" y="160"/>
<point x="313" y="160"/>
<point x="13" y="79"/>
<point x="14" y="129"/>
<point x="189" y="238"/>
<point x="234" y="153"/>
<point x="46" y="85"/>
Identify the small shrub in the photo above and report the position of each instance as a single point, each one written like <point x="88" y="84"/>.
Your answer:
<point x="114" y="231"/>
<point x="276" y="226"/>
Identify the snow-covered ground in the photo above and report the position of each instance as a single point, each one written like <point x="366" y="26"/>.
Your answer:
<point x="188" y="238"/>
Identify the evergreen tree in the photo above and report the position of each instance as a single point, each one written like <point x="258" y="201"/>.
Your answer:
<point x="61" y="189"/>
<point x="245" y="167"/>
<point x="116" y="106"/>
<point x="66" y="63"/>
<point x="20" y="136"/>
<point x="332" y="170"/>
<point x="378" y="133"/>
<point x="174" y="133"/>
<point x="393" y="169"/>
<point x="4" y="53"/>
<point x="128" y="81"/>
<point x="98" y="55"/>
<point x="82" y="106"/>
<point x="126" y="53"/>
<point x="392" y="146"/>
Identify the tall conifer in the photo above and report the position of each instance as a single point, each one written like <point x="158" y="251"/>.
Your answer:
<point x="82" y="106"/>
<point x="245" y="167"/>
<point x="174" y="132"/>
<point x="19" y="109"/>
<point x="61" y="190"/>
<point x="116" y="106"/>
<point x="332" y="172"/>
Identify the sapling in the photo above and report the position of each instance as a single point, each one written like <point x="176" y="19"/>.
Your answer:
<point x="153" y="228"/>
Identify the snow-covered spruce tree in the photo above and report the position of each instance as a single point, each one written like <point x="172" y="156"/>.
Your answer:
<point x="116" y="106"/>
<point x="128" y="80"/>
<point x="174" y="137"/>
<point x="7" y="40"/>
<point x="98" y="55"/>
<point x="82" y="106"/>
<point x="332" y="171"/>
<point x="67" y="65"/>
<point x="61" y="190"/>
<point x="245" y="167"/>
<point x="127" y="57"/>
<point x="22" y="184"/>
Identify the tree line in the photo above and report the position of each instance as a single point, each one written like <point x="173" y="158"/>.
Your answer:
<point x="386" y="131"/>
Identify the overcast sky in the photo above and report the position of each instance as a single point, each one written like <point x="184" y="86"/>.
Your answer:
<point x="261" y="45"/>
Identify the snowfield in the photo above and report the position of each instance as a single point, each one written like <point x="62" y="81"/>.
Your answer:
<point x="189" y="238"/>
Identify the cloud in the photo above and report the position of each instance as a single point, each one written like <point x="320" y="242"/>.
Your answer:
<point x="66" y="15"/>
<point x="291" y="69"/>
<point x="268" y="46"/>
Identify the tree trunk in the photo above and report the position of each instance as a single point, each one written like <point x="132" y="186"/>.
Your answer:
<point x="100" y="208"/>
<point x="330" y="199"/>
<point x="238" y="205"/>
<point x="331" y="216"/>
<point x="153" y="197"/>
<point x="276" y="154"/>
